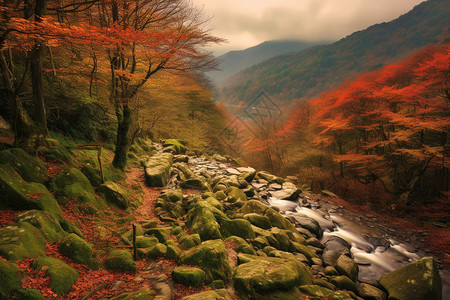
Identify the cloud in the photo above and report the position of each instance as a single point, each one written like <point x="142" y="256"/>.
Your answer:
<point x="245" y="23"/>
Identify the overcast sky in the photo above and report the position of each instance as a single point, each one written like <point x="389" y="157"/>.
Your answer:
<point x="246" y="23"/>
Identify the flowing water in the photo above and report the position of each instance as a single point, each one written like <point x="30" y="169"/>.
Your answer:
<point x="375" y="251"/>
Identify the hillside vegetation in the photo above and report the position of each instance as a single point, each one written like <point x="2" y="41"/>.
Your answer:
<point x="306" y="74"/>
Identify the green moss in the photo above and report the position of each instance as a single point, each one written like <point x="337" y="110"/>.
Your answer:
<point x="70" y="177"/>
<point x="115" y="194"/>
<point x="28" y="294"/>
<point x="235" y="194"/>
<point x="269" y="177"/>
<point x="347" y="266"/>
<point x="146" y="241"/>
<point x="315" y="290"/>
<point x="21" y="240"/>
<point x="188" y="276"/>
<point x="188" y="241"/>
<point x="211" y="256"/>
<point x="10" y="278"/>
<point x="77" y="249"/>
<point x="220" y="294"/>
<point x="238" y="227"/>
<point x="62" y="276"/>
<point x="258" y="220"/>
<point x="29" y="168"/>
<point x="146" y="294"/>
<point x="343" y="283"/>
<point x="241" y="245"/>
<point x="92" y="174"/>
<point x="173" y="252"/>
<point x="162" y="234"/>
<point x="52" y="230"/>
<point x="201" y="218"/>
<point x="120" y="260"/>
<point x="176" y="144"/>
<point x="156" y="251"/>
<point x="157" y="169"/>
<point x="18" y="194"/>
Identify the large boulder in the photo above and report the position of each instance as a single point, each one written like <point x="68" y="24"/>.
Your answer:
<point x="21" y="240"/>
<point x="270" y="177"/>
<point x="415" y="281"/>
<point x="50" y="227"/>
<point x="201" y="218"/>
<point x="211" y="256"/>
<point x="120" y="260"/>
<point x="10" y="279"/>
<point x="21" y="195"/>
<point x="188" y="276"/>
<point x="157" y="169"/>
<point x="115" y="194"/>
<point x="62" y="276"/>
<point x="347" y="266"/>
<point x="28" y="167"/>
<point x="177" y="145"/>
<point x="260" y="275"/>
<point x="77" y="249"/>
<point x="258" y="220"/>
<point x="238" y="227"/>
<point x="235" y="194"/>
<point x="92" y="174"/>
<point x="370" y="292"/>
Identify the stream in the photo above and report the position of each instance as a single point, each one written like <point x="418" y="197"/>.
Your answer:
<point x="375" y="248"/>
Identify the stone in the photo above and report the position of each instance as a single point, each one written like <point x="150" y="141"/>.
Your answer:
<point x="270" y="177"/>
<point x="211" y="256"/>
<point x="145" y="294"/>
<point x="258" y="220"/>
<point x="51" y="229"/>
<point x="235" y="194"/>
<point x="238" y="227"/>
<point x="28" y="294"/>
<point x="347" y="266"/>
<point x="220" y="294"/>
<point x="146" y="241"/>
<point x="92" y="174"/>
<point x="120" y="260"/>
<point x="259" y="275"/>
<point x="241" y="246"/>
<point x="194" y="183"/>
<point x="248" y="176"/>
<point x="156" y="251"/>
<point x="21" y="240"/>
<point x="28" y="167"/>
<point x="202" y="220"/>
<point x="157" y="169"/>
<point x="417" y="280"/>
<point x="10" y="278"/>
<point x="331" y="271"/>
<point x="178" y="145"/>
<point x="315" y="291"/>
<point x="369" y="292"/>
<point x="188" y="241"/>
<point x="189" y="276"/>
<point x="310" y="224"/>
<point x="184" y="168"/>
<point x="342" y="282"/>
<point x="77" y="249"/>
<point x="173" y="252"/>
<point x="115" y="194"/>
<point x="62" y="276"/>
<point x="21" y="195"/>
<point x="162" y="234"/>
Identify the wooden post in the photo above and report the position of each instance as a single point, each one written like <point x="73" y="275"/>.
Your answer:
<point x="134" y="243"/>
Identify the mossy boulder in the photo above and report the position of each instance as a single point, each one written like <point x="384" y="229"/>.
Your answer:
<point x="51" y="229"/>
<point x="145" y="294"/>
<point x="77" y="249"/>
<point x="188" y="276"/>
<point x="270" y="177"/>
<point x="115" y="194"/>
<point x="241" y="246"/>
<point x="347" y="266"/>
<point x="201" y="219"/>
<point x="28" y="167"/>
<point x="179" y="147"/>
<point x="315" y="291"/>
<point x="120" y="260"/>
<point x="10" y="278"/>
<point x="156" y="251"/>
<point x="188" y="241"/>
<point x="220" y="294"/>
<point x="259" y="275"/>
<point x="248" y="176"/>
<point x="370" y="292"/>
<point x="157" y="169"/>
<point x="62" y="276"/>
<point x="343" y="283"/>
<point x="184" y="169"/>
<point x="162" y="234"/>
<point x="69" y="177"/>
<point x="28" y="294"/>
<point x="258" y="220"/>
<point x="146" y="241"/>
<point x="92" y="174"/>
<point x="417" y="280"/>
<point x="21" y="240"/>
<point x="238" y="227"/>
<point x="20" y="195"/>
<point x="211" y="256"/>
<point x="194" y="183"/>
<point x="173" y="252"/>
<point x="235" y="194"/>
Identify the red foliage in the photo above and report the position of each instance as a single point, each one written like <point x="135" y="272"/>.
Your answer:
<point x="7" y="216"/>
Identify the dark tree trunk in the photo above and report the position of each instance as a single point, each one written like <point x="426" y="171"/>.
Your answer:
<point x="123" y="140"/>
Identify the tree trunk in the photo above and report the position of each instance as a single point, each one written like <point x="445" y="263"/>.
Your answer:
<point x="123" y="140"/>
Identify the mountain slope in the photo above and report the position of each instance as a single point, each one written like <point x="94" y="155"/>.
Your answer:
<point x="307" y="73"/>
<point x="235" y="61"/>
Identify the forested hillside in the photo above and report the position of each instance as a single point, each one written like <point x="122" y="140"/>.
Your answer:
<point x="305" y="74"/>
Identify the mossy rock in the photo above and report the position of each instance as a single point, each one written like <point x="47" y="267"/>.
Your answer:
<point x="146" y="241"/>
<point x="248" y="176"/>
<point x="188" y="276"/>
<point x="253" y="206"/>
<point x="291" y="294"/>
<point x="184" y="168"/>
<point x="235" y="194"/>
<point x="270" y="177"/>
<point x="145" y="294"/>
<point x="115" y="194"/>
<point x="21" y="240"/>
<point x="277" y="220"/>
<point x="28" y="167"/>
<point x="347" y="266"/>
<point x="370" y="292"/>
<point x="343" y="283"/>
<point x="162" y="234"/>
<point x="173" y="252"/>
<point x="241" y="245"/>
<point x="69" y="177"/>
<point x="220" y="195"/>
<point x="194" y="183"/>
<point x="259" y="275"/>
<point x="176" y="144"/>
<point x="120" y="260"/>
<point x="28" y="294"/>
<point x="10" y="279"/>
<point x="201" y="219"/>
<point x="211" y="256"/>
<point x="77" y="249"/>
<point x="258" y="220"/>
<point x="20" y="195"/>
<point x="220" y="294"/>
<point x="62" y="276"/>
<point x="417" y="280"/>
<point x="50" y="227"/>
<point x="341" y="295"/>
<point x="188" y="241"/>
<point x="238" y="227"/>
<point x="156" y="251"/>
<point x="92" y="174"/>
<point x="315" y="291"/>
<point x="157" y="169"/>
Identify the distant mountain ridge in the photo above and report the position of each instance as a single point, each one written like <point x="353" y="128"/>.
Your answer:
<point x="237" y="60"/>
<point x="307" y="73"/>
